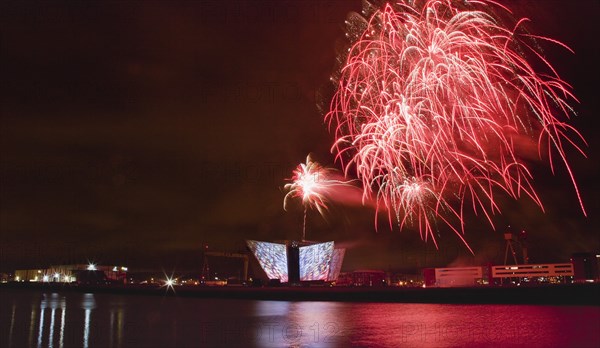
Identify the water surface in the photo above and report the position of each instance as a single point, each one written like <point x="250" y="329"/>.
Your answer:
<point x="54" y="319"/>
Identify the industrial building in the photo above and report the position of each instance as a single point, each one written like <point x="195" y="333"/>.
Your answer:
<point x="72" y="273"/>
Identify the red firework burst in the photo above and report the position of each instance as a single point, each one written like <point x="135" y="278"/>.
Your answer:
<point x="435" y="106"/>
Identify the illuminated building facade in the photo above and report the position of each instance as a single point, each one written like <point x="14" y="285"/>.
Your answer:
<point x="294" y="261"/>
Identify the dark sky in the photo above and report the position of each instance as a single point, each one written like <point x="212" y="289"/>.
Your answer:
<point x="137" y="132"/>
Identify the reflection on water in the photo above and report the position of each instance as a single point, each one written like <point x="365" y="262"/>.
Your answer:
<point x="33" y="319"/>
<point x="62" y="327"/>
<point x="88" y="304"/>
<point x="299" y="324"/>
<point x="53" y="302"/>
<point x="41" y="329"/>
<point x="47" y="318"/>
<point x="116" y="338"/>
<point x="12" y="324"/>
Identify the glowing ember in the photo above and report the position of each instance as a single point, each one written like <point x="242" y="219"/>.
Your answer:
<point x="437" y="107"/>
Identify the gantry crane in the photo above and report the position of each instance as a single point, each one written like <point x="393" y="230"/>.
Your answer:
<point x="205" y="267"/>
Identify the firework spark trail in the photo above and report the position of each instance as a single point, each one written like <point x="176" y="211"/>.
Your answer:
<point x="431" y="108"/>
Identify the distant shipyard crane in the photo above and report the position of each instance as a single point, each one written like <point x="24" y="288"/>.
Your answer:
<point x="522" y="241"/>
<point x="205" y="267"/>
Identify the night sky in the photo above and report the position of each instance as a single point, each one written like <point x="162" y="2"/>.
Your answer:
<point x="137" y="132"/>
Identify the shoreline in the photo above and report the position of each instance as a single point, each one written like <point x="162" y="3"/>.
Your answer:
<point x="561" y="294"/>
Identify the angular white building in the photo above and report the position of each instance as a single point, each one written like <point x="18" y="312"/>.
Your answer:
<point x="294" y="261"/>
